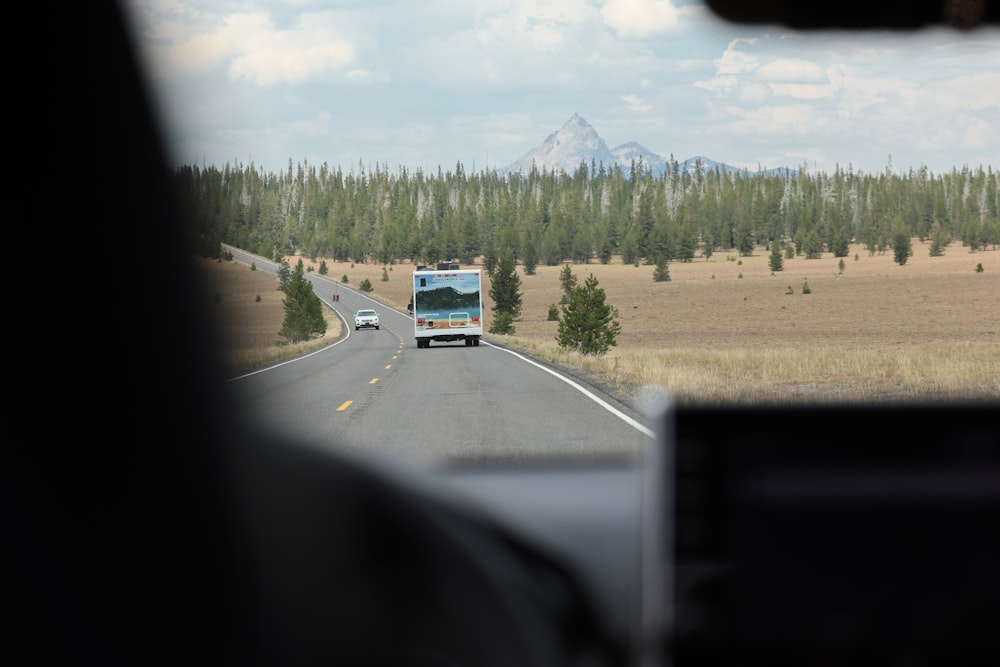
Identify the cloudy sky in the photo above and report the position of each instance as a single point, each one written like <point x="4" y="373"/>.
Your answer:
<point x="428" y="84"/>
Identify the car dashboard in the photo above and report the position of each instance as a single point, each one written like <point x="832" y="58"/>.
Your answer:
<point x="733" y="540"/>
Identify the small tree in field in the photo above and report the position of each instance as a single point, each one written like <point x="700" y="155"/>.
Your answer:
<point x="567" y="280"/>
<point x="939" y="239"/>
<point x="588" y="324"/>
<point x="776" y="262"/>
<point x="505" y="288"/>
<point x="902" y="247"/>
<point x="303" y="311"/>
<point x="661" y="274"/>
<point x="503" y="324"/>
<point x="812" y="245"/>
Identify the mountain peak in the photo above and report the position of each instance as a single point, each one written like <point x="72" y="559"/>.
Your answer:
<point x="577" y="142"/>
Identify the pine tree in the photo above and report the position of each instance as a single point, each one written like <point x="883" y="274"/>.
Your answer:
<point x="812" y="245"/>
<point x="529" y="256"/>
<point x="776" y="263"/>
<point x="588" y="324"/>
<point x="502" y="324"/>
<point x="939" y="239"/>
<point x="708" y="248"/>
<point x="628" y="249"/>
<point x="303" y="310"/>
<point x="505" y="287"/>
<point x="841" y="244"/>
<point x="567" y="280"/>
<point x="604" y="253"/>
<point x="284" y="274"/>
<point x="902" y="248"/>
<point x="489" y="256"/>
<point x="661" y="274"/>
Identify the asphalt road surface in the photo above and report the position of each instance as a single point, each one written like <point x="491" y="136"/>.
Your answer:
<point x="376" y="392"/>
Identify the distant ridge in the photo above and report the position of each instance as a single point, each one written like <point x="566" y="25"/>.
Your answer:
<point x="578" y="142"/>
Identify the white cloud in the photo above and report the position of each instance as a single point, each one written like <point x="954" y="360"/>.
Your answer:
<point x="801" y="91"/>
<point x="797" y="78"/>
<point x="791" y="69"/>
<point x="635" y="103"/>
<point x="965" y="132"/>
<point x="719" y="84"/>
<point x="640" y="18"/>
<point x="254" y="48"/>
<point x="862" y="93"/>
<point x="542" y="25"/>
<point x="977" y="91"/>
<point x="754" y="93"/>
<point x="734" y="61"/>
<point x="977" y="134"/>
<point x="794" y="119"/>
<point x="311" y="50"/>
<point x="361" y="75"/>
<point x="199" y="52"/>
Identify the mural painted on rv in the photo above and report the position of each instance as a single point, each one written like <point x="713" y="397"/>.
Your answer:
<point x="447" y="299"/>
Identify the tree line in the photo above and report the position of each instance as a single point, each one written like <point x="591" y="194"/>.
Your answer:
<point x="595" y="214"/>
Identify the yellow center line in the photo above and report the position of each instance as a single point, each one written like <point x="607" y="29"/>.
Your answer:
<point x="374" y="380"/>
<point x="388" y="366"/>
<point x="344" y="406"/>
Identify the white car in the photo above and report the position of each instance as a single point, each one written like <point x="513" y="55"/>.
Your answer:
<point x="366" y="319"/>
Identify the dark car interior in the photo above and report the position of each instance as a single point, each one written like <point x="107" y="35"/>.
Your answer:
<point x="172" y="533"/>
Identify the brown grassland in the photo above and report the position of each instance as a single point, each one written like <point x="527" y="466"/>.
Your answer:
<point x="721" y="330"/>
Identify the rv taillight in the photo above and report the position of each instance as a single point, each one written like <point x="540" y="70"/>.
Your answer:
<point x="475" y="318"/>
<point x="420" y="320"/>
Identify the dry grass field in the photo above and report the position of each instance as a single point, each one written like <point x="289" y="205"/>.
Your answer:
<point x="250" y="315"/>
<point x="727" y="329"/>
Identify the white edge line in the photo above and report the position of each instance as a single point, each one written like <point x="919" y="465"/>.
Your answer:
<point x="583" y="390"/>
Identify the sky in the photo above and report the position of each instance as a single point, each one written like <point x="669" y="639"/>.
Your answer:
<point x="430" y="84"/>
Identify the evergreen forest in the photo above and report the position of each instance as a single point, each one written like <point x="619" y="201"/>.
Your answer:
<point x="595" y="214"/>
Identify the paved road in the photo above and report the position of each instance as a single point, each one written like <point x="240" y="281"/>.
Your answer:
<point x="375" y="391"/>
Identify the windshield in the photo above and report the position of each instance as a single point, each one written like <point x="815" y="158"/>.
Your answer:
<point x="654" y="201"/>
